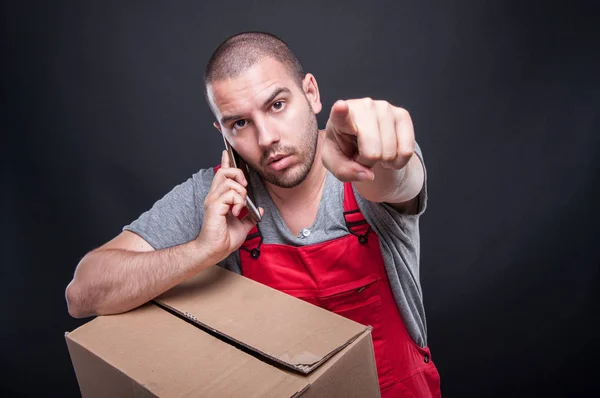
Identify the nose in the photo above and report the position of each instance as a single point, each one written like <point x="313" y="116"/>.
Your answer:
<point x="267" y="133"/>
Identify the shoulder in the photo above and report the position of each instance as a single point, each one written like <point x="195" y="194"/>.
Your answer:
<point x="203" y="178"/>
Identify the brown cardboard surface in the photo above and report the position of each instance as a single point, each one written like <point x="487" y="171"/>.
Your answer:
<point x="97" y="379"/>
<point x="279" y="326"/>
<point x="154" y="351"/>
<point x="168" y="357"/>
<point x="349" y="374"/>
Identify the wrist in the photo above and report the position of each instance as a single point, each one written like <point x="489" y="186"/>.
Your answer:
<point x="202" y="255"/>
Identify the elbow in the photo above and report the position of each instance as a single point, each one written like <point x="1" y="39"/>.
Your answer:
<point x="75" y="301"/>
<point x="77" y="293"/>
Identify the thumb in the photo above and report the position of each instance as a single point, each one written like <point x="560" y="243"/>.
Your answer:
<point x="341" y="118"/>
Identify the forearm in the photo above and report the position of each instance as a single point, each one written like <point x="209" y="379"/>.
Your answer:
<point x="394" y="186"/>
<point x="110" y="281"/>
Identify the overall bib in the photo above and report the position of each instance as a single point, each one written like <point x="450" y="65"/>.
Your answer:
<point x="347" y="276"/>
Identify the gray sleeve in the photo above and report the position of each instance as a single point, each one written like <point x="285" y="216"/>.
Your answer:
<point x="423" y="194"/>
<point x="177" y="217"/>
<point x="399" y="229"/>
<point x="400" y="247"/>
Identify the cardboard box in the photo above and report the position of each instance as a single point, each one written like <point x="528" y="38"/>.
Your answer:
<point x="221" y="335"/>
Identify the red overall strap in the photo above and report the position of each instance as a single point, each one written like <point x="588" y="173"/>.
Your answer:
<point x="355" y="221"/>
<point x="350" y="203"/>
<point x="253" y="242"/>
<point x="350" y="279"/>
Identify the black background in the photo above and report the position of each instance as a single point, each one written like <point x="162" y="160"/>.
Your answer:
<point x="103" y="113"/>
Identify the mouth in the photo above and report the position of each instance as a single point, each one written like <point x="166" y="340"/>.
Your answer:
<point x="279" y="162"/>
<point x="275" y="158"/>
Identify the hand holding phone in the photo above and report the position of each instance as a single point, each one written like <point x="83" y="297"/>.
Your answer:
<point x="224" y="226"/>
<point x="235" y="160"/>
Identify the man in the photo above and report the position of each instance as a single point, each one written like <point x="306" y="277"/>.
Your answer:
<point x="352" y="248"/>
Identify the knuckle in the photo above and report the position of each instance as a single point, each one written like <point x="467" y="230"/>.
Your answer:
<point x="239" y="172"/>
<point x="406" y="152"/>
<point x="229" y="196"/>
<point x="221" y="172"/>
<point x="403" y="113"/>
<point x="232" y="184"/>
<point x="371" y="154"/>
<point x="388" y="156"/>
<point x="382" y="105"/>
<point x="365" y="102"/>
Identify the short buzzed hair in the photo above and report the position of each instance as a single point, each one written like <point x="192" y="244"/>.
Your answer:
<point x="241" y="51"/>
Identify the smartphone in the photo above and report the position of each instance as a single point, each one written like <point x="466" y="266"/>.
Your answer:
<point x="236" y="161"/>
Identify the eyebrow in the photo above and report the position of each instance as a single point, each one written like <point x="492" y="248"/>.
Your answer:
<point x="278" y="91"/>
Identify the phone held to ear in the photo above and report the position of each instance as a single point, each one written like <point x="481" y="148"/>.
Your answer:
<point x="236" y="161"/>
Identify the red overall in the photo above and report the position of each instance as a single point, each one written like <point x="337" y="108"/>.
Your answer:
<point x="347" y="276"/>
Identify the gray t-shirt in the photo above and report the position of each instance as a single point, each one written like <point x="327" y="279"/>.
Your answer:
<point x="177" y="218"/>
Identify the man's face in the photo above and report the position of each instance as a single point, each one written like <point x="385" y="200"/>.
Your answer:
<point x="269" y="120"/>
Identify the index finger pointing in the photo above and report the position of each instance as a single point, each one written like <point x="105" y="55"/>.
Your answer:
<point x="341" y="118"/>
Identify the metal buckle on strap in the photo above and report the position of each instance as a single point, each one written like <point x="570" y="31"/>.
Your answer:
<point x="255" y="251"/>
<point x="362" y="238"/>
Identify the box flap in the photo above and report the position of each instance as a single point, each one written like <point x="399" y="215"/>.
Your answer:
<point x="292" y="332"/>
<point x="169" y="357"/>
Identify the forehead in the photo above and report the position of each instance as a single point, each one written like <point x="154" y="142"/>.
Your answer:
<point x="249" y="89"/>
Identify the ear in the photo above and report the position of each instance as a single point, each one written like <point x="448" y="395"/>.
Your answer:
<point x="217" y="126"/>
<point x="311" y="90"/>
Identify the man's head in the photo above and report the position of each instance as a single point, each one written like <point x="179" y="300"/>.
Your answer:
<point x="265" y="105"/>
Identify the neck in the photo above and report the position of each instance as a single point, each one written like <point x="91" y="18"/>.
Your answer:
<point x="307" y="191"/>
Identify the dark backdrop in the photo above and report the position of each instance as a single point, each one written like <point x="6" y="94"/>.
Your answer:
<point x="103" y="113"/>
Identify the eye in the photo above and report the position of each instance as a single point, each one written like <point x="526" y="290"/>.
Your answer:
<point x="278" y="105"/>
<point x="240" y="124"/>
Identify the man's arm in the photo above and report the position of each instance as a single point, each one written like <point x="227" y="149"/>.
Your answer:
<point x="127" y="272"/>
<point x="372" y="144"/>
<point x="399" y="188"/>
